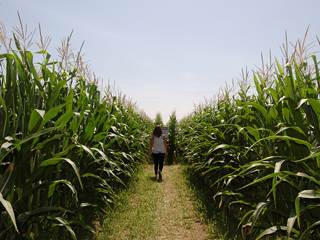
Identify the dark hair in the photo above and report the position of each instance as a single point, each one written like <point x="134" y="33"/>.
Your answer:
<point x="157" y="131"/>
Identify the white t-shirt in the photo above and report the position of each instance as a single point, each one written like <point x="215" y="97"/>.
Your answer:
<point x="158" y="146"/>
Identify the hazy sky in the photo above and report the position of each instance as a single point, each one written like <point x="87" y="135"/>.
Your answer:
<point x="167" y="54"/>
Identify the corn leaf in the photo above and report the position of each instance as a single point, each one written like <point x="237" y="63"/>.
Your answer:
<point x="7" y="205"/>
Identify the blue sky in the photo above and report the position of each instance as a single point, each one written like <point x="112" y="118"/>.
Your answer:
<point x="169" y="55"/>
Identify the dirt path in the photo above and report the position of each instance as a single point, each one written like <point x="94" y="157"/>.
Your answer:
<point x="154" y="209"/>
<point x="177" y="218"/>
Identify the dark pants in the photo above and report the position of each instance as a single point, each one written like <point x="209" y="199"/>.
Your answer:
<point x="158" y="160"/>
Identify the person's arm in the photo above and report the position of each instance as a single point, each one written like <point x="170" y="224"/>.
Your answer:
<point x="165" y="145"/>
<point x="151" y="146"/>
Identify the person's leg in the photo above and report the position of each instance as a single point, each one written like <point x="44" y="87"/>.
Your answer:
<point x="161" y="159"/>
<point x="155" y="159"/>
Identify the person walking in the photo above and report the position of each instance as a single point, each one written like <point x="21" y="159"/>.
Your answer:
<point x="158" y="150"/>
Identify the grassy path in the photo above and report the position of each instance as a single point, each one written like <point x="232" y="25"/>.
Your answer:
<point x="153" y="209"/>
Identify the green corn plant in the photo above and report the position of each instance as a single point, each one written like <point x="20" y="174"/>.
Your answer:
<point x="259" y="154"/>
<point x="65" y="148"/>
<point x="172" y="137"/>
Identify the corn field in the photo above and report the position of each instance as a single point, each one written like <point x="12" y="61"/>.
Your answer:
<point x="259" y="154"/>
<point x="65" y="147"/>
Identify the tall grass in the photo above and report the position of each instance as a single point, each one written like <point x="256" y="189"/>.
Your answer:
<point x="259" y="153"/>
<point x="65" y="147"/>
